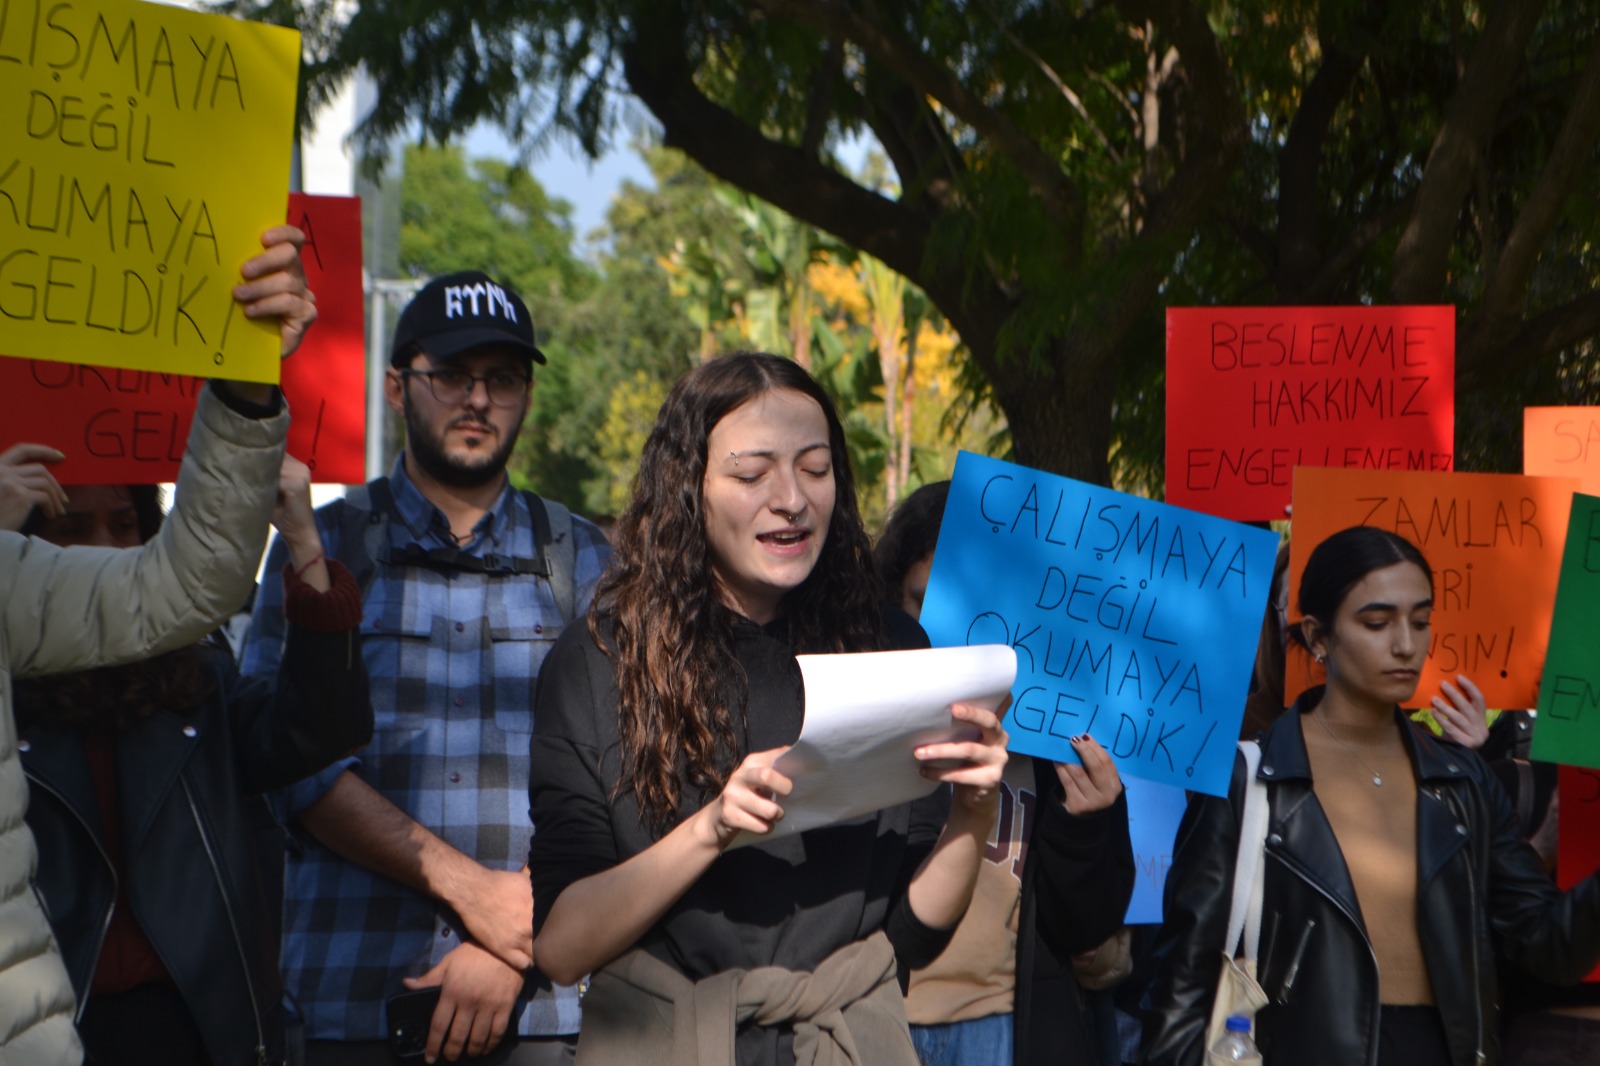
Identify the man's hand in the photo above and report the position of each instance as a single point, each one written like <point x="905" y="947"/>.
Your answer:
<point x="477" y="992"/>
<point x="497" y="909"/>
<point x="26" y="483"/>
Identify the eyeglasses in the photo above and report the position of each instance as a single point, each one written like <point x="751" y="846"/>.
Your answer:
<point x="451" y="386"/>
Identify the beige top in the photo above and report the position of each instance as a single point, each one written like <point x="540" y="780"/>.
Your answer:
<point x="976" y="976"/>
<point x="1376" y="826"/>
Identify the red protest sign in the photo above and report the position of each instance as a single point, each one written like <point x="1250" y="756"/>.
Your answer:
<point x="128" y="426"/>
<point x="326" y="380"/>
<point x="1578" y="830"/>
<point x="1253" y="392"/>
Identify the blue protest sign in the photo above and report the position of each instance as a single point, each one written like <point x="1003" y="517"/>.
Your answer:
<point x="1154" y="812"/>
<point x="1133" y="621"/>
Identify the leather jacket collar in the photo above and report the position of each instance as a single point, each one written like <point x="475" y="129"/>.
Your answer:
<point x="1283" y="749"/>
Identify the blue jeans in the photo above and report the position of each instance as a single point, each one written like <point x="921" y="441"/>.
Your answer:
<point x="982" y="1041"/>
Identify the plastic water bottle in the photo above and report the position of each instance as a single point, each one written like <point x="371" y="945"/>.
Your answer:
<point x="1235" y="1045"/>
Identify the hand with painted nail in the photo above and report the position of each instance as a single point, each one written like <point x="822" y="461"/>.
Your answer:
<point x="974" y="762"/>
<point x="1462" y="712"/>
<point x="1092" y="786"/>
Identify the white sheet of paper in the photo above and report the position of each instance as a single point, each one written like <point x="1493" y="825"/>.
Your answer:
<point x="864" y="716"/>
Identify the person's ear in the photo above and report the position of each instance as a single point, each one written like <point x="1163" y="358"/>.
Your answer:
<point x="394" y="391"/>
<point x="1314" y="638"/>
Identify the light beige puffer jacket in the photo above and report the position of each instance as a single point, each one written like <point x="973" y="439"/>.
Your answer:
<point x="65" y="610"/>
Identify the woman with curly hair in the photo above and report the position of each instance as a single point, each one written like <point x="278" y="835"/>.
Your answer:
<point x="655" y="738"/>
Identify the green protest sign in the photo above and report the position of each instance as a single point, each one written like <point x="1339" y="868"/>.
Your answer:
<point x="1569" y="695"/>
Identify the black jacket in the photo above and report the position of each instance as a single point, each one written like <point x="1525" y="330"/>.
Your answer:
<point x="1077" y="878"/>
<point x="1480" y="890"/>
<point x="203" y="856"/>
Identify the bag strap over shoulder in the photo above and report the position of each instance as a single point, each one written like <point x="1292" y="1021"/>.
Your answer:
<point x="364" y="514"/>
<point x="552" y="530"/>
<point x="1244" y="916"/>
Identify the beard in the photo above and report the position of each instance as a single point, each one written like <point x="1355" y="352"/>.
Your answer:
<point x="428" y="449"/>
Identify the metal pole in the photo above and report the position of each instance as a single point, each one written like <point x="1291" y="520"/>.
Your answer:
<point x="382" y="292"/>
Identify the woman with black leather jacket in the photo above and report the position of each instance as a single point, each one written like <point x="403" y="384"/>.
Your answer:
<point x="1394" y="873"/>
<point x="160" y="864"/>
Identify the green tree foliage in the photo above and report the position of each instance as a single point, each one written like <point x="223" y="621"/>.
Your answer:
<point x="1066" y="169"/>
<point x="607" y="326"/>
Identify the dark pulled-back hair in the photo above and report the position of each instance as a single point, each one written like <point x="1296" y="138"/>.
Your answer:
<point x="1339" y="563"/>
<point x="910" y="535"/>
<point x="669" y="634"/>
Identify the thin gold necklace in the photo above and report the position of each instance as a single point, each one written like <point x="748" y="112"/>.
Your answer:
<point x="1377" y="778"/>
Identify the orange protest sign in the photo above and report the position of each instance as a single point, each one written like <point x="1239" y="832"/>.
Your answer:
<point x="1495" y="543"/>
<point x="1563" y="442"/>
<point x="128" y="426"/>
<point x="1253" y="392"/>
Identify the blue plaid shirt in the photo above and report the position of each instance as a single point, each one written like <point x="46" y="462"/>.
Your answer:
<point x="453" y="658"/>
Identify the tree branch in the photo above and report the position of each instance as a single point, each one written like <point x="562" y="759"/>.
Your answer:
<point x="1300" y="165"/>
<point x="1570" y="154"/>
<point x="657" y="70"/>
<point x="1043" y="173"/>
<point x="1419" y="260"/>
<point x="1492" y="342"/>
<point x="1073" y="99"/>
<point x="1214" y="126"/>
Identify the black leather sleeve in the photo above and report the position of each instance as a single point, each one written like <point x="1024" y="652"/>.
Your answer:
<point x="1552" y="935"/>
<point x="1189" y="947"/>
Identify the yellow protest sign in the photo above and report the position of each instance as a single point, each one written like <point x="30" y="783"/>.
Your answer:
<point x="143" y="150"/>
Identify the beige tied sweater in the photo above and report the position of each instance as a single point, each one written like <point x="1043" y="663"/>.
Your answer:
<point x="848" y="1012"/>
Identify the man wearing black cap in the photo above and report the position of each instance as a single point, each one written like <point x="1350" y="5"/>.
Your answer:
<point x="408" y="872"/>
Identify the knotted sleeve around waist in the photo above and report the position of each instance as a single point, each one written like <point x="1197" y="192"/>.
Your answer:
<point x="848" y="1012"/>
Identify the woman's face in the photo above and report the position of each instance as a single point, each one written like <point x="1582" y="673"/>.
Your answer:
<point x="100" y="516"/>
<point x="1379" y="636"/>
<point x="768" y="497"/>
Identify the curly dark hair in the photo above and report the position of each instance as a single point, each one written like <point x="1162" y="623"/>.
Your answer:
<point x="669" y="635"/>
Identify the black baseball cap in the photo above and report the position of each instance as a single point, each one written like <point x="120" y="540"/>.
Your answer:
<point x="458" y="313"/>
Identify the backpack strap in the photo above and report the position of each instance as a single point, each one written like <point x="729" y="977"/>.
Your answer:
<point x="552" y="531"/>
<point x="362" y="517"/>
